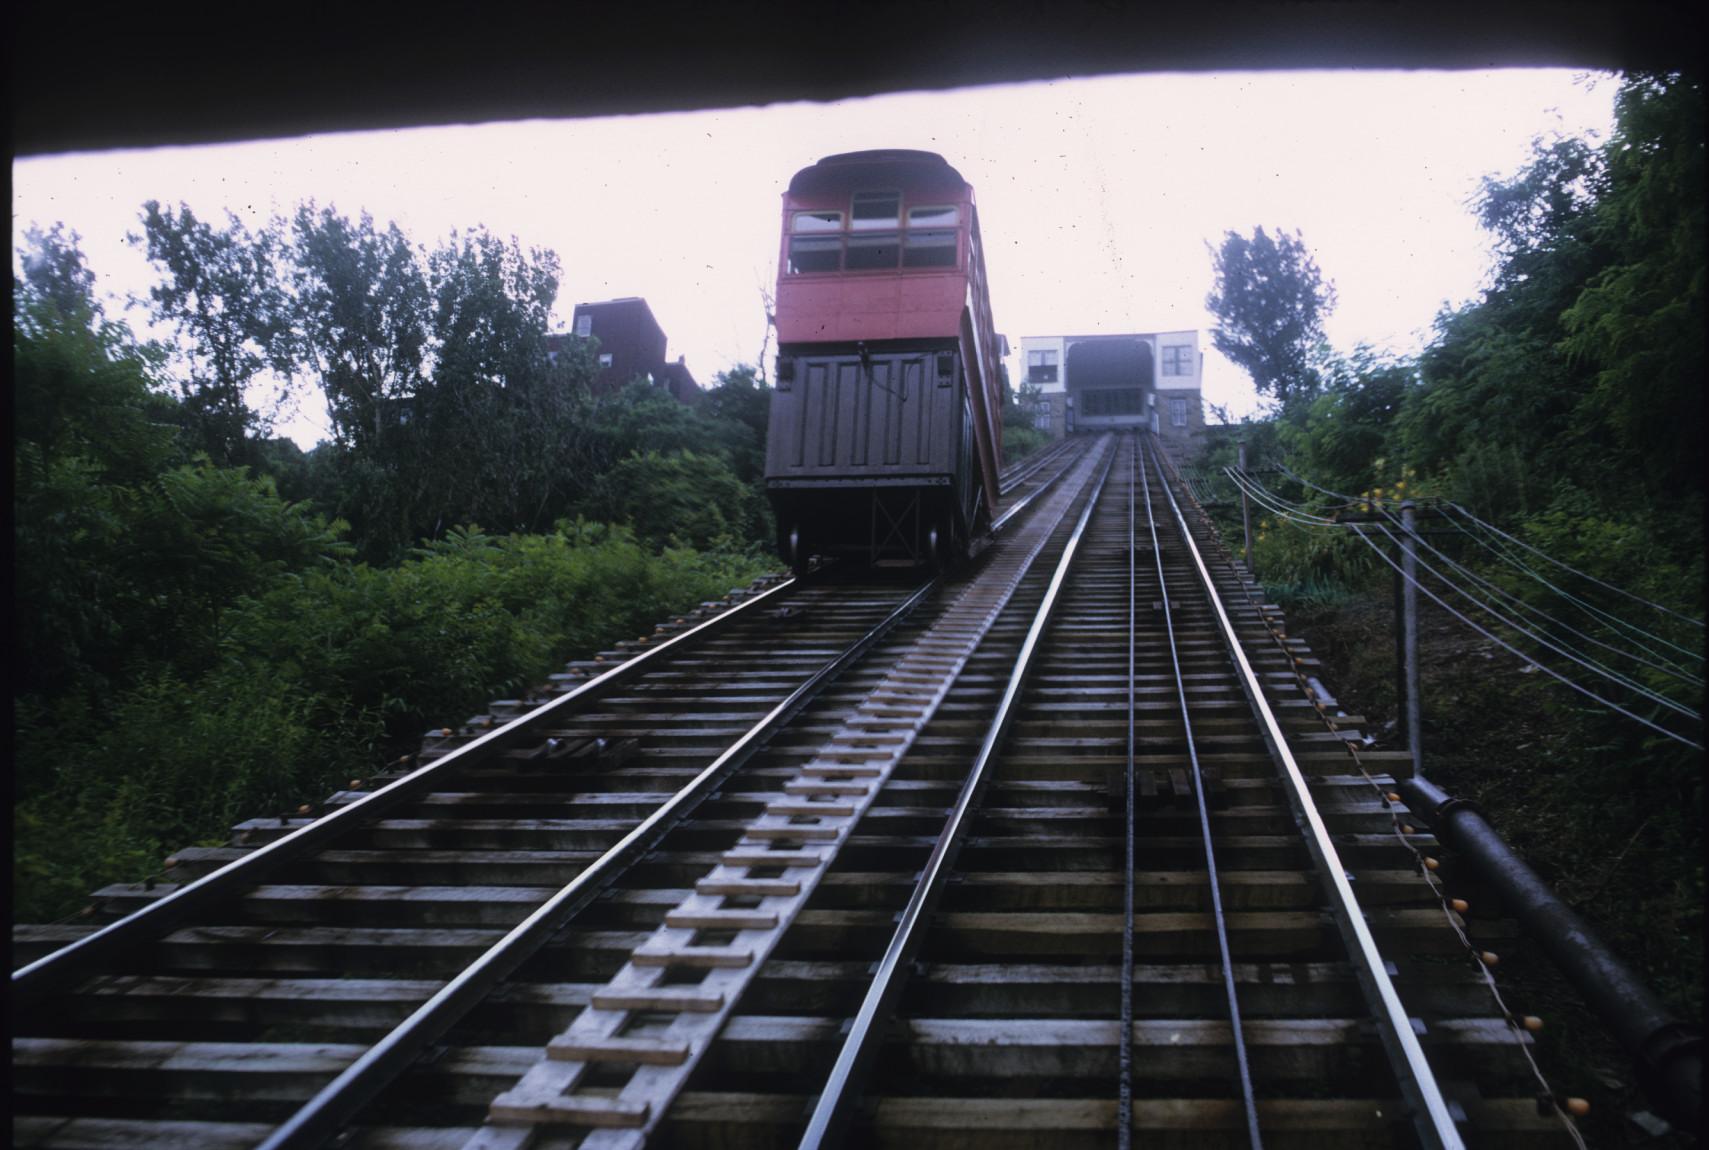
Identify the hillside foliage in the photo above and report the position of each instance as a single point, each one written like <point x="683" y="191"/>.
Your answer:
<point x="218" y="625"/>
<point x="1563" y="407"/>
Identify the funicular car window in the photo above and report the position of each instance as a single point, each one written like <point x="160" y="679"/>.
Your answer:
<point x="868" y="252"/>
<point x="874" y="211"/>
<point x="929" y="249"/>
<point x="815" y="254"/>
<point x="938" y="216"/>
<point x="817" y="222"/>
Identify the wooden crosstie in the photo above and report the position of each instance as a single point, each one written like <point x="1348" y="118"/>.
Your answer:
<point x="660" y="1012"/>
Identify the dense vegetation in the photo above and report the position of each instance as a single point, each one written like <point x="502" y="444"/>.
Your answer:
<point x="1566" y="407"/>
<point x="1021" y="436"/>
<point x="214" y="624"/>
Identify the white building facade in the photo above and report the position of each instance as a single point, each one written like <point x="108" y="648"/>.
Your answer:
<point x="1100" y="382"/>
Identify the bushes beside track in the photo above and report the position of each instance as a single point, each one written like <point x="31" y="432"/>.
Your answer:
<point x="196" y="648"/>
<point x="319" y="677"/>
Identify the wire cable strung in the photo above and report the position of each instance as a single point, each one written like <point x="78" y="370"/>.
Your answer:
<point x="1274" y="503"/>
<point x="1400" y="832"/>
<point x="1347" y="500"/>
<point x="1587" y="663"/>
<point x="1550" y="671"/>
<point x="1567" y="567"/>
<point x="1657" y="662"/>
<point x="1297" y="514"/>
<point x="1507" y="557"/>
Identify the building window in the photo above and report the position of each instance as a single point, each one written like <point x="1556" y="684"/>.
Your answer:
<point x="605" y="359"/>
<point x="584" y="325"/>
<point x="1177" y="412"/>
<point x="1178" y="359"/>
<point x="1041" y="367"/>
<point x="1112" y="401"/>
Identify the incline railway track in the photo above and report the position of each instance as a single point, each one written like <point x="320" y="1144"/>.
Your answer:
<point x="848" y="860"/>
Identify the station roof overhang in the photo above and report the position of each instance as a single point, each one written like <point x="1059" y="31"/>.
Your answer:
<point x="206" y="75"/>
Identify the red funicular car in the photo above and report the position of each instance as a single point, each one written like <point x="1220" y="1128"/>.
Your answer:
<point x="883" y="440"/>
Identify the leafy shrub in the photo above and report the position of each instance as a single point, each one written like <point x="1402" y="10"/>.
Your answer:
<point x="319" y="676"/>
<point x="167" y="764"/>
<point x="685" y="497"/>
<point x="1020" y="441"/>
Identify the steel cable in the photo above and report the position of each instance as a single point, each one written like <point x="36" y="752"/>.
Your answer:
<point x="1276" y="504"/>
<point x="1550" y="671"/>
<point x="1664" y="665"/>
<point x="1588" y="664"/>
<point x="1124" y="1103"/>
<point x="1419" y="866"/>
<point x="1383" y="505"/>
<point x="1590" y="608"/>
<point x="1574" y="570"/>
<point x="1242" y="1065"/>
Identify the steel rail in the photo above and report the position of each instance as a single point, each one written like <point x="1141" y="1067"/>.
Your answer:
<point x="1124" y="1060"/>
<point x="1430" y="1116"/>
<point x="53" y="971"/>
<point x="1243" y="1066"/>
<point x="832" y="1113"/>
<point x="1026" y="467"/>
<point x="1067" y="459"/>
<point x="321" y="1117"/>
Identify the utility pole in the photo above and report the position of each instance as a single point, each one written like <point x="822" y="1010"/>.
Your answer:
<point x="1246" y="512"/>
<point x="1408" y="627"/>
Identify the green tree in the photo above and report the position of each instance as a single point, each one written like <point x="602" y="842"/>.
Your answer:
<point x="1638" y="324"/>
<point x="89" y="423"/>
<point x="1342" y="439"/>
<point x="360" y="306"/>
<point x="1270" y="299"/>
<point x="221" y="293"/>
<point x="491" y="305"/>
<point x="1021" y="435"/>
<point x="739" y="405"/>
<point x="56" y="276"/>
<point x="683" y="498"/>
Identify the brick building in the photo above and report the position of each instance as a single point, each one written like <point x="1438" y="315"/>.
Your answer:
<point x="631" y="346"/>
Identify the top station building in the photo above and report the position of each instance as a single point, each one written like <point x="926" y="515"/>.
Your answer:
<point x="1101" y="382"/>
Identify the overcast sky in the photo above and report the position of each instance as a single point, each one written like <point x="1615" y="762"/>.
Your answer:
<point x="1097" y="197"/>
